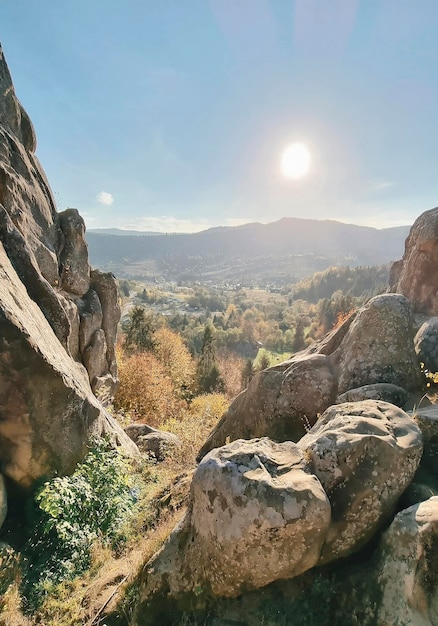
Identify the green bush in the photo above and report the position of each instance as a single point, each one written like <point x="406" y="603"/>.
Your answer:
<point x="68" y="514"/>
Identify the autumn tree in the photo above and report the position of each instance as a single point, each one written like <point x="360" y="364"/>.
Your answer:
<point x="172" y="353"/>
<point x="146" y="391"/>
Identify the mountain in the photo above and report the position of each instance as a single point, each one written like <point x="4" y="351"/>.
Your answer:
<point x="277" y="253"/>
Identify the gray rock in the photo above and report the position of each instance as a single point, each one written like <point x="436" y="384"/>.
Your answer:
<point x="408" y="576"/>
<point x="426" y="344"/>
<point x="256" y="514"/>
<point x="416" y="275"/>
<point x="159" y="443"/>
<point x="379" y="346"/>
<point x="379" y="391"/>
<point x="365" y="454"/>
<point x="46" y="249"/>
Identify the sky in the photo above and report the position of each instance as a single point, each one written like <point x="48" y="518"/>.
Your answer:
<point x="173" y="115"/>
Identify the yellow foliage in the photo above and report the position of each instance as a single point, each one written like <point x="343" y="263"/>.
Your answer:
<point x="173" y="354"/>
<point x="146" y="391"/>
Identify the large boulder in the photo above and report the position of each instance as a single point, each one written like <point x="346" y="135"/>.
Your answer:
<point x="57" y="331"/>
<point x="47" y="249"/>
<point x="379" y="391"/>
<point x="379" y="346"/>
<point x="47" y="406"/>
<point x="408" y="572"/>
<point x="426" y="345"/>
<point x="365" y="454"/>
<point x="256" y="514"/>
<point x="416" y="275"/>
<point x="374" y="346"/>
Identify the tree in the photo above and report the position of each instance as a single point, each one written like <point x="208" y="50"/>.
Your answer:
<point x="264" y="361"/>
<point x="247" y="373"/>
<point x="298" y="342"/>
<point x="171" y="351"/>
<point x="139" y="331"/>
<point x="146" y="391"/>
<point x="207" y="371"/>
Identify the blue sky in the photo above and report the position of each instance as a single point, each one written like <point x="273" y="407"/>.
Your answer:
<point x="172" y="115"/>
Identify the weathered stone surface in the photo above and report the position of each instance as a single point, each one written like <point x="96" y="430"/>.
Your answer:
<point x="280" y="402"/>
<point x="46" y="249"/>
<point x="150" y="440"/>
<point x="365" y="454"/>
<point x="47" y="407"/>
<point x="426" y="344"/>
<point x="256" y="515"/>
<point x="94" y="356"/>
<point x="104" y="284"/>
<point x="74" y="267"/>
<point x="379" y="391"/>
<point x="3" y="500"/>
<point x="379" y="346"/>
<point x="159" y="443"/>
<point x="416" y="275"/>
<point x="408" y="573"/>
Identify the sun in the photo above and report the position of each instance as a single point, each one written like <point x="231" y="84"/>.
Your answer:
<point x="295" y="161"/>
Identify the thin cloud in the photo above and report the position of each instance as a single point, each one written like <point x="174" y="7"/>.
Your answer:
<point x="105" y="198"/>
<point x="383" y="185"/>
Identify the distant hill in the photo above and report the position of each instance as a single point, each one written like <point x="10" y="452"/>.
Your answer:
<point x="277" y="253"/>
<point x="120" y="231"/>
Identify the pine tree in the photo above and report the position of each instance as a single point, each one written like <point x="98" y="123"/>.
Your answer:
<point x="139" y="331"/>
<point x="207" y="372"/>
<point x="298" y="342"/>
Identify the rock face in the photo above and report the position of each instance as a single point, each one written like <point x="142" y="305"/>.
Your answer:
<point x="365" y="454"/>
<point x="57" y="318"/>
<point x="375" y="346"/>
<point x="416" y="275"/>
<point x="261" y="511"/>
<point x="426" y="344"/>
<point x="408" y="573"/>
<point x="48" y="409"/>
<point x="256" y="514"/>
<point x="48" y="250"/>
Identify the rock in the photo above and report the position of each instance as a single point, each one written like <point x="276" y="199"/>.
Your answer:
<point x="47" y="407"/>
<point x="280" y="402"/>
<point x="426" y="344"/>
<point x="159" y="443"/>
<point x="408" y="573"/>
<point x="135" y="431"/>
<point x="256" y="515"/>
<point x="47" y="249"/>
<point x="3" y="500"/>
<point x="74" y="267"/>
<point x="416" y="275"/>
<point x="373" y="346"/>
<point x="365" y="454"/>
<point x="379" y="391"/>
<point x="379" y="346"/>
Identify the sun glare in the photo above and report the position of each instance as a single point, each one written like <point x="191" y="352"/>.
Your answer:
<point x="295" y="161"/>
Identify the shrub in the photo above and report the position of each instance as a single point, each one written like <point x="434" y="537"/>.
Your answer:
<point x="70" y="513"/>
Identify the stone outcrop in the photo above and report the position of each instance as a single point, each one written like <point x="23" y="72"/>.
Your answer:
<point x="261" y="511"/>
<point x="365" y="454"/>
<point x="374" y="346"/>
<point x="379" y="391"/>
<point x="426" y="344"/>
<point x="58" y="319"/>
<point x="256" y="514"/>
<point x="408" y="573"/>
<point x="416" y="275"/>
<point x="48" y="250"/>
<point x="48" y="408"/>
<point x="158" y="443"/>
